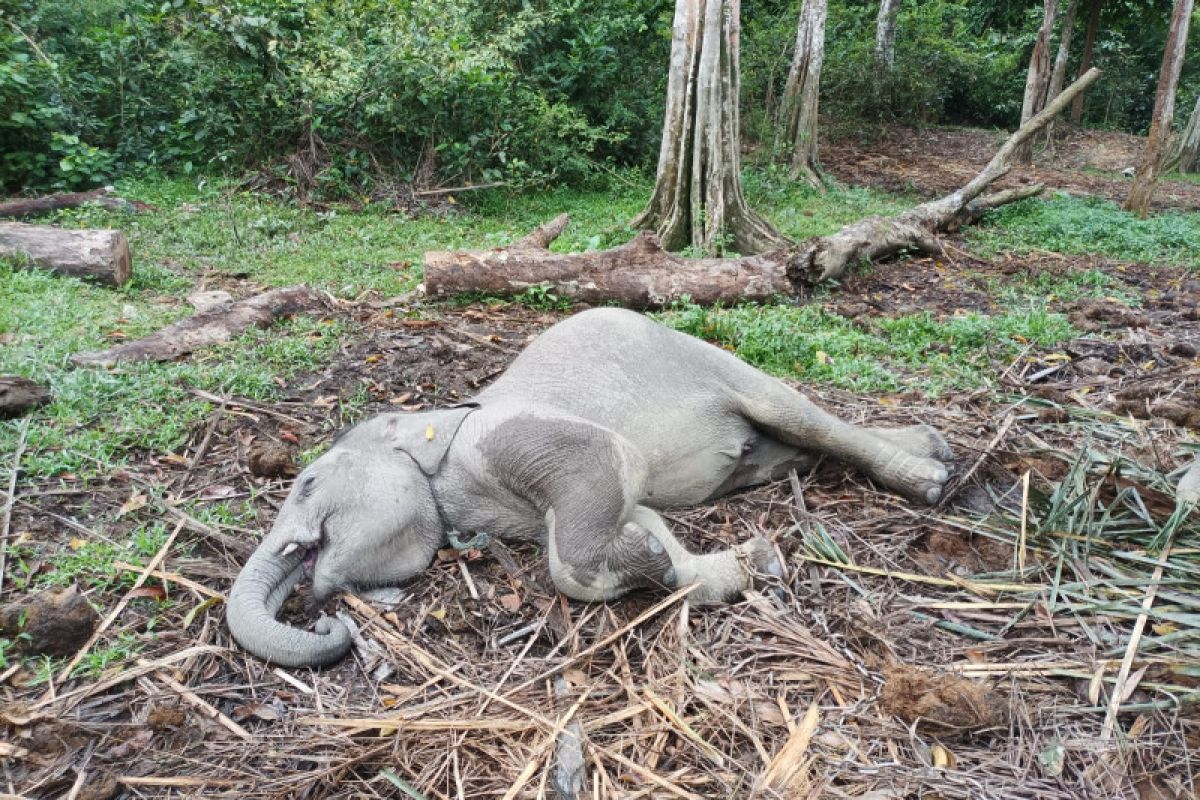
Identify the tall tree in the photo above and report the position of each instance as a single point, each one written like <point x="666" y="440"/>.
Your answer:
<point x="697" y="199"/>
<point x="1164" y="112"/>
<point x="801" y="93"/>
<point x="1037" y="78"/>
<point x="885" y="32"/>
<point x="1086" y="62"/>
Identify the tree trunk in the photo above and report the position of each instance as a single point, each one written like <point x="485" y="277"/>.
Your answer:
<point x="1086" y="63"/>
<point x="641" y="274"/>
<point x="1059" y="74"/>
<point x="1164" y="112"/>
<point x="697" y="200"/>
<point x="207" y="328"/>
<point x="801" y="94"/>
<point x="885" y="32"/>
<point x="1037" y="78"/>
<point x="32" y="206"/>
<point x="100" y="255"/>
<point x="1186" y="157"/>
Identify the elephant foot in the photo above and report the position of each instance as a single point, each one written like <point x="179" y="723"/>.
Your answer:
<point x="922" y="441"/>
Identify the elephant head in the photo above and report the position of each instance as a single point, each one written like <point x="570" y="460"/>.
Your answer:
<point x="362" y="515"/>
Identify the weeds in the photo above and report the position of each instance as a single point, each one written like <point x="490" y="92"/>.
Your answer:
<point x="886" y="355"/>
<point x="1067" y="224"/>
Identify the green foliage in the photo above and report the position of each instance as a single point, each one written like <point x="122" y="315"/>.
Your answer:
<point x="414" y="88"/>
<point x="1069" y="224"/>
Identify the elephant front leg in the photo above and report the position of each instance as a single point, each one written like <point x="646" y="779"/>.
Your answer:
<point x="642" y="553"/>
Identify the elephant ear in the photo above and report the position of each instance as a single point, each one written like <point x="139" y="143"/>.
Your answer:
<point x="426" y="437"/>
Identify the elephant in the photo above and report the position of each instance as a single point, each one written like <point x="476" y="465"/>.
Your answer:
<point x="605" y="419"/>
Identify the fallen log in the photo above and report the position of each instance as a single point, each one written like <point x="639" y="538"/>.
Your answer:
<point x="101" y="255"/>
<point x="218" y="324"/>
<point x="33" y="206"/>
<point x="19" y="396"/>
<point x="640" y="274"/>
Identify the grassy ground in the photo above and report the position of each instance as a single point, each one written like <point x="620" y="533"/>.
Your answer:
<point x="205" y="234"/>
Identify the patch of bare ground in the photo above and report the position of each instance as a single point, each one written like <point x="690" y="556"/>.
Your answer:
<point x="907" y="653"/>
<point x="934" y="161"/>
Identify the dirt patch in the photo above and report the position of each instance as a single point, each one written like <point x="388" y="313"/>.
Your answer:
<point x="943" y="705"/>
<point x="932" y="162"/>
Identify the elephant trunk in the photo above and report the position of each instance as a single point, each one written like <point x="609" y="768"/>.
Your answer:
<point x="257" y="595"/>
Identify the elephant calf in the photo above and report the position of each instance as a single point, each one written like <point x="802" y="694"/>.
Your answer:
<point x="604" y="418"/>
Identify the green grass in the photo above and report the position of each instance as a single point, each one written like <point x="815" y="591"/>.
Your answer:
<point x="888" y="355"/>
<point x="1075" y="225"/>
<point x="1049" y="287"/>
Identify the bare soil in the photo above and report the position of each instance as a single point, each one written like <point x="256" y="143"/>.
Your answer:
<point x="936" y="161"/>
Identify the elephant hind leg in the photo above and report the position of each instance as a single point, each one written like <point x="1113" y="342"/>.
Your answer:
<point x="793" y="419"/>
<point x="643" y="553"/>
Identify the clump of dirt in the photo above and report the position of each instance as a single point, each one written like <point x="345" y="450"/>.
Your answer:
<point x="941" y="704"/>
<point x="945" y="551"/>
<point x="53" y="622"/>
<point x="1094" y="315"/>
<point x="267" y="459"/>
<point x="166" y="716"/>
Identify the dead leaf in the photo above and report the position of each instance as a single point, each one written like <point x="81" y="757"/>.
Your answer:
<point x="218" y="490"/>
<point x="576" y="677"/>
<point x="326" y="401"/>
<point x="10" y="750"/>
<point x="510" y="602"/>
<point x="136" y="500"/>
<point x="943" y="758"/>
<point x="157" y="593"/>
<point x="257" y="711"/>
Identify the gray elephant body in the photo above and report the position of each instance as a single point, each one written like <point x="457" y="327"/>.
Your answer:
<point x="604" y="418"/>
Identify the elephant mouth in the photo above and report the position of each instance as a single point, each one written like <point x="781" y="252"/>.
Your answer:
<point x="310" y="559"/>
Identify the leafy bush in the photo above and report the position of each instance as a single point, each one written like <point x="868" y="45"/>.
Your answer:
<point x="437" y="91"/>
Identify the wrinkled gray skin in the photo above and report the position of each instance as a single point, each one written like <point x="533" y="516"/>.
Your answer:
<point x="603" y="419"/>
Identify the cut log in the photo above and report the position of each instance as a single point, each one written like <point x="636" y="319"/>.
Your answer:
<point x="641" y="274"/>
<point x="32" y="206"/>
<point x="216" y="325"/>
<point x="101" y="255"/>
<point x="19" y="396"/>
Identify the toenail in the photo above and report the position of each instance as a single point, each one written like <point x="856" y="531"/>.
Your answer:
<point x="654" y="545"/>
<point x="933" y="494"/>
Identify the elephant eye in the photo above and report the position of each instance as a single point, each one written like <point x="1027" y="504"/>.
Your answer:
<point x="306" y="488"/>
